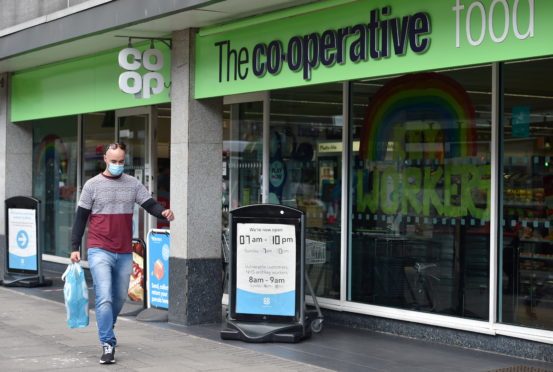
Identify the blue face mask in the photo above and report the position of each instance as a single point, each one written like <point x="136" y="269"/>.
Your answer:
<point x="115" y="169"/>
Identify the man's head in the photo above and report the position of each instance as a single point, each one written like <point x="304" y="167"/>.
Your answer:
<point x="115" y="158"/>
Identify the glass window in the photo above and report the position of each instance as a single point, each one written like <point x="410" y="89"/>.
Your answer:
<point x="55" y="181"/>
<point x="242" y="163"/>
<point x="225" y="197"/>
<point x="98" y="131"/>
<point x="526" y="278"/>
<point x="132" y="131"/>
<point x="305" y="171"/>
<point x="163" y="151"/>
<point x="245" y="153"/>
<point x="420" y="192"/>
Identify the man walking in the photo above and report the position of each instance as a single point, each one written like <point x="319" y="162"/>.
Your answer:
<point x="108" y="199"/>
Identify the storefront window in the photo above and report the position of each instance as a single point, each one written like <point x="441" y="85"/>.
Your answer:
<point x="245" y="154"/>
<point x="242" y="164"/>
<point x="225" y="196"/>
<point x="163" y="151"/>
<point x="526" y="258"/>
<point x="420" y="192"/>
<point x="305" y="171"/>
<point x="98" y="131"/>
<point x="132" y="131"/>
<point x="55" y="181"/>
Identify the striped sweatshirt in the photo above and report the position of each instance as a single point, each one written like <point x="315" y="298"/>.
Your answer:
<point x="109" y="202"/>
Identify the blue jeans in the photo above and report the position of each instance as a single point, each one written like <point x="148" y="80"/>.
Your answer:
<point x="111" y="274"/>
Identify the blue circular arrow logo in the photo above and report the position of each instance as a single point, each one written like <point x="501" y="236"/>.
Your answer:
<point x="22" y="239"/>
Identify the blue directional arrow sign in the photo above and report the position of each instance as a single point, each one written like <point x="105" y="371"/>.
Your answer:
<point x="22" y="245"/>
<point x="22" y="239"/>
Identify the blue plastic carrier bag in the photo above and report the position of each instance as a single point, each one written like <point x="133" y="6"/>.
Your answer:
<point x="75" y="292"/>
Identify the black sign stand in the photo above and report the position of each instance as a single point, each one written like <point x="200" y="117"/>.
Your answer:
<point x="270" y="326"/>
<point x="17" y="277"/>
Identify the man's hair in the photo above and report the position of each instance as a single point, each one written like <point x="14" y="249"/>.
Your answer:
<point x="115" y="146"/>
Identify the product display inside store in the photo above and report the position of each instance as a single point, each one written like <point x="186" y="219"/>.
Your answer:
<point x="420" y="187"/>
<point x="306" y="138"/>
<point x="527" y="259"/>
<point x="420" y="190"/>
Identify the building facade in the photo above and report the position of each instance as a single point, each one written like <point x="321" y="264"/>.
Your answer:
<point x="415" y="136"/>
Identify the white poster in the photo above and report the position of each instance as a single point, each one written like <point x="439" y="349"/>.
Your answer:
<point x="265" y="269"/>
<point x="22" y="239"/>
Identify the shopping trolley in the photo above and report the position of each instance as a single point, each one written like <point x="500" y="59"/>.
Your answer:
<point x="315" y="254"/>
<point x="225" y="248"/>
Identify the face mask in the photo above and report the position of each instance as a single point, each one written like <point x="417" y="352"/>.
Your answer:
<point x="116" y="170"/>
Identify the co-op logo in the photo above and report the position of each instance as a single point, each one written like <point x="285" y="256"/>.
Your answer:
<point x="142" y="86"/>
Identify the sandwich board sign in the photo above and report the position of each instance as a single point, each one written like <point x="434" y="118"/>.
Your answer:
<point x="266" y="286"/>
<point x="23" y="253"/>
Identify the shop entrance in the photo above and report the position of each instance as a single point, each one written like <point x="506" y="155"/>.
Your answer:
<point x="69" y="151"/>
<point x="136" y="127"/>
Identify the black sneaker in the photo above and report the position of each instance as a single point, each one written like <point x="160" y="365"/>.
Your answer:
<point x="108" y="354"/>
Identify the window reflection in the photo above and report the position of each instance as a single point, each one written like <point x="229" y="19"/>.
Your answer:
<point x="526" y="280"/>
<point x="305" y="172"/>
<point x="244" y="154"/>
<point x="98" y="131"/>
<point x="55" y="180"/>
<point x="163" y="146"/>
<point x="420" y="189"/>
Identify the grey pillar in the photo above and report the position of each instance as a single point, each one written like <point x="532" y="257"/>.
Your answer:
<point x="196" y="170"/>
<point x="16" y="157"/>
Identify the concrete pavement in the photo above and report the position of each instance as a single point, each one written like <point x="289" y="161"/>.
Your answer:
<point x="34" y="337"/>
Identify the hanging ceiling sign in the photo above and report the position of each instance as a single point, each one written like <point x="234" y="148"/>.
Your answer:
<point x="341" y="40"/>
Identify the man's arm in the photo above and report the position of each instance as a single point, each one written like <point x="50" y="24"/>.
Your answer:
<point x="77" y="233"/>
<point x="157" y="210"/>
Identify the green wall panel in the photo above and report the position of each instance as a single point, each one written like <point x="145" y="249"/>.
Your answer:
<point x="86" y="84"/>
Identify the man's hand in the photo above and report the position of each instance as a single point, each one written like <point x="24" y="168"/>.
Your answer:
<point x="75" y="256"/>
<point x="168" y="214"/>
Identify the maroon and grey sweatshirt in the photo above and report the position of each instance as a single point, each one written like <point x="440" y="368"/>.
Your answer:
<point x="109" y="202"/>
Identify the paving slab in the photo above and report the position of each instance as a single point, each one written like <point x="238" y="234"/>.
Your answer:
<point x="31" y="317"/>
<point x="34" y="337"/>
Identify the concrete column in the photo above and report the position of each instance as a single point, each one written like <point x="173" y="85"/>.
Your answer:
<point x="16" y="160"/>
<point x="196" y="169"/>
